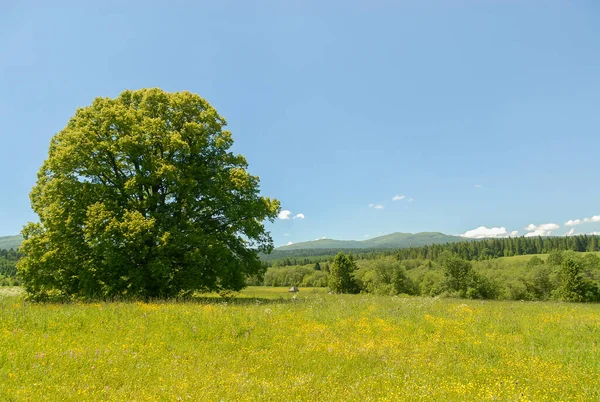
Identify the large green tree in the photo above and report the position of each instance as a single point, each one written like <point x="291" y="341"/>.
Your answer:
<point x="573" y="287"/>
<point x="141" y="196"/>
<point x="341" y="274"/>
<point x="457" y="273"/>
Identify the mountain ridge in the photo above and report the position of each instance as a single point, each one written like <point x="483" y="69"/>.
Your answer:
<point x="8" y="242"/>
<point x="391" y="240"/>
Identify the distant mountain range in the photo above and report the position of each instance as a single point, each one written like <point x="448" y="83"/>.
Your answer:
<point x="8" y="242"/>
<point x="393" y="240"/>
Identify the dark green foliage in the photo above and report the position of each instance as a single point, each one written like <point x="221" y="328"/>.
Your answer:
<point x="304" y="276"/>
<point x="141" y="197"/>
<point x="481" y="287"/>
<point x="385" y="276"/>
<point x="470" y="250"/>
<point x="288" y="276"/>
<point x="461" y="280"/>
<point x="8" y="269"/>
<point x="555" y="258"/>
<point x="573" y="286"/>
<point x="316" y="279"/>
<point x="457" y="273"/>
<point x="534" y="262"/>
<point x="512" y="279"/>
<point x="403" y="284"/>
<point x="341" y="275"/>
<point x="428" y="282"/>
<point x="590" y="265"/>
<point x="539" y="284"/>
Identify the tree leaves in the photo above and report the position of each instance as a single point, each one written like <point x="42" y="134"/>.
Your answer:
<point x="144" y="187"/>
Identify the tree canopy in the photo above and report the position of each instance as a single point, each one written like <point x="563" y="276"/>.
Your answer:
<point x="141" y="196"/>
<point x="341" y="274"/>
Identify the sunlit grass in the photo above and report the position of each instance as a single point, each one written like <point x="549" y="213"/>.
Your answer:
<point x="11" y="291"/>
<point x="274" y="345"/>
<point x="270" y="292"/>
<point x="522" y="259"/>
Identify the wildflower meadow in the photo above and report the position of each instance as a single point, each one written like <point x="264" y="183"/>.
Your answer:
<point x="267" y="344"/>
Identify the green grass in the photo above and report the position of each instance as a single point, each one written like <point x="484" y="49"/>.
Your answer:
<point x="273" y="345"/>
<point x="278" y="292"/>
<point x="10" y="291"/>
<point x="522" y="259"/>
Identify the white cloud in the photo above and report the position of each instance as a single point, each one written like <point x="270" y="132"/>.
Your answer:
<point x="286" y="234"/>
<point x="483" y="231"/>
<point x="595" y="218"/>
<point x="366" y="235"/>
<point x="398" y="197"/>
<point x="477" y="186"/>
<point x="378" y="206"/>
<point x="289" y="243"/>
<point x="595" y="233"/>
<point x="322" y="238"/>
<point x="410" y="200"/>
<point x="545" y="229"/>
<point x="285" y="214"/>
<point x="570" y="232"/>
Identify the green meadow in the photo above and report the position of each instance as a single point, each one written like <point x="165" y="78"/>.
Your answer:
<point x="268" y="344"/>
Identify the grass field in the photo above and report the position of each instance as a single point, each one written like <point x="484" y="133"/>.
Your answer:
<point x="268" y="345"/>
<point x="522" y="259"/>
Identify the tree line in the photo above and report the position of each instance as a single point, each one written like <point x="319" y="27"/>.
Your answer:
<point x="562" y="275"/>
<point x="504" y="247"/>
<point x="471" y="250"/>
<point x="8" y="269"/>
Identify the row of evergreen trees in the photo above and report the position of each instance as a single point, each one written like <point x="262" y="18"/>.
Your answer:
<point x="505" y="247"/>
<point x="471" y="250"/>
<point x="8" y="270"/>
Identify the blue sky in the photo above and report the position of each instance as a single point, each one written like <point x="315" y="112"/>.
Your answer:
<point x="479" y="113"/>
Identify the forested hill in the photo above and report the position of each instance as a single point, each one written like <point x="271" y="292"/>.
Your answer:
<point x="471" y="250"/>
<point x="8" y="242"/>
<point x="393" y="240"/>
